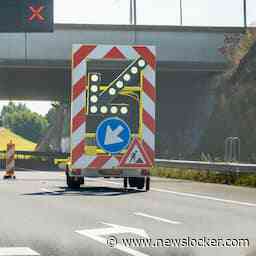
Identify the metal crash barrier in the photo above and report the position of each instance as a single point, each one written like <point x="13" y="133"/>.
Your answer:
<point x="47" y="158"/>
<point x="211" y="166"/>
<point x="33" y="159"/>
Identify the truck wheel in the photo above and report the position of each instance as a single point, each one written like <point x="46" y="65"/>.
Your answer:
<point x="147" y="183"/>
<point x="137" y="182"/>
<point x="73" y="183"/>
<point x="132" y="182"/>
<point x="125" y="183"/>
<point x="81" y="180"/>
<point x="140" y="182"/>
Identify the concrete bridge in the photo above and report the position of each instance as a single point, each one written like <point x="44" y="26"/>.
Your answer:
<point x="36" y="66"/>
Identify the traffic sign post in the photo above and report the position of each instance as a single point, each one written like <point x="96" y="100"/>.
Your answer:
<point x="113" y="107"/>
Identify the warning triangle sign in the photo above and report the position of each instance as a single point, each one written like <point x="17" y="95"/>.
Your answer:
<point x="135" y="156"/>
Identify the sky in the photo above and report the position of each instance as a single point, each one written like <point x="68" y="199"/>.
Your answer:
<point x="41" y="107"/>
<point x="160" y="12"/>
<point x="156" y="12"/>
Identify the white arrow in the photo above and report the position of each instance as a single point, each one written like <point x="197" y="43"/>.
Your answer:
<point x="115" y="229"/>
<point x="96" y="234"/>
<point x="17" y="251"/>
<point x="112" y="136"/>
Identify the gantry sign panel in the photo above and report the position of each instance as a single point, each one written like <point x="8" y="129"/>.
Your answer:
<point x="113" y="106"/>
<point x="26" y="16"/>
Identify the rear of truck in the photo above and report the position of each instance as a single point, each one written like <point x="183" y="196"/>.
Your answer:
<point x="112" y="114"/>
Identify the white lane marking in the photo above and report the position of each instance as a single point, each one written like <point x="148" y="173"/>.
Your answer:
<point x="96" y="234"/>
<point x="90" y="179"/>
<point x="17" y="251"/>
<point x="204" y="197"/>
<point x="49" y="191"/>
<point x="46" y="190"/>
<point x="34" y="170"/>
<point x="157" y="218"/>
<point x="111" y="182"/>
<point x="197" y="196"/>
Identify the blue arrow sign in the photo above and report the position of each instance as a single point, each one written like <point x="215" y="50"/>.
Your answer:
<point x="113" y="135"/>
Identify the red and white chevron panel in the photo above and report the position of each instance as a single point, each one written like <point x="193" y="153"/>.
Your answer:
<point x="80" y="55"/>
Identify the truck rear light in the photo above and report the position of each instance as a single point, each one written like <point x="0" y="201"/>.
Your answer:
<point x="76" y="171"/>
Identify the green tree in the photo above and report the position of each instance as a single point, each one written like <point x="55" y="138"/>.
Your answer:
<point x="236" y="45"/>
<point x="22" y="121"/>
<point x="52" y="115"/>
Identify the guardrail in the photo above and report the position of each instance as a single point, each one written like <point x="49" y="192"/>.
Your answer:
<point x="181" y="164"/>
<point x="33" y="159"/>
<point x="207" y="166"/>
<point x="21" y="154"/>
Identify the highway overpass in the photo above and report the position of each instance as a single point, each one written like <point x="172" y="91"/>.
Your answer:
<point x="37" y="66"/>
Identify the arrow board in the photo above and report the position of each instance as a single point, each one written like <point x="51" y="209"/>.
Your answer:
<point x="135" y="156"/>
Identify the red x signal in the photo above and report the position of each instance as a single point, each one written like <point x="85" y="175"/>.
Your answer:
<point x="36" y="13"/>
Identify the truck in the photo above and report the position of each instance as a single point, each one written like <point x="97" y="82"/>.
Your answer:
<point x="113" y="99"/>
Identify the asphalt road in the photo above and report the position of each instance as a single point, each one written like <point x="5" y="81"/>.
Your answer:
<point x="40" y="216"/>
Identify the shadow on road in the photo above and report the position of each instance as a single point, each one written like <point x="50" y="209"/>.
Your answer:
<point x="84" y="191"/>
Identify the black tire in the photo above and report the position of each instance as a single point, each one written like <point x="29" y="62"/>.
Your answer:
<point x="147" y="183"/>
<point x="140" y="183"/>
<point x="73" y="183"/>
<point x="137" y="182"/>
<point x="81" y="180"/>
<point x="132" y="182"/>
<point x="125" y="182"/>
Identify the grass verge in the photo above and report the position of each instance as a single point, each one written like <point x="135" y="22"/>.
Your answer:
<point x="20" y="143"/>
<point x="238" y="179"/>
